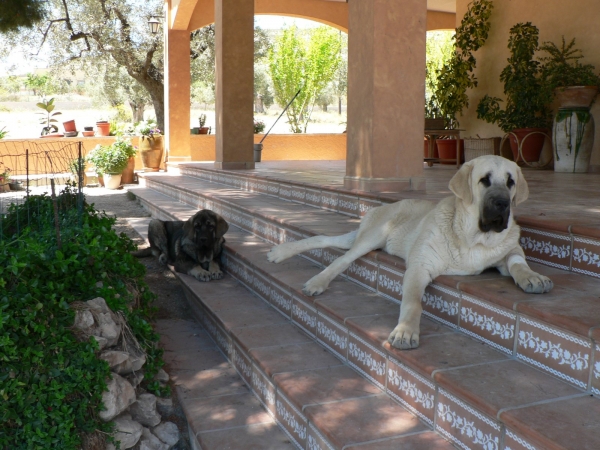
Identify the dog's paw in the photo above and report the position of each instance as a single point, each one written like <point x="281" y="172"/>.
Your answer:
<point x="277" y="254"/>
<point x="314" y="286"/>
<point x="216" y="275"/>
<point x="404" y="336"/>
<point x="533" y="283"/>
<point x="200" y="274"/>
<point x="162" y="259"/>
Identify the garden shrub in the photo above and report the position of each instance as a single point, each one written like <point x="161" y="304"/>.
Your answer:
<point x="50" y="383"/>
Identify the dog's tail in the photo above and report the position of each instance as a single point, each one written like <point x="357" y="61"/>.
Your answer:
<point x="143" y="253"/>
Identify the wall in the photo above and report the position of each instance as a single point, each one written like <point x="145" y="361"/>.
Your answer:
<point x="554" y="18"/>
<point x="280" y="147"/>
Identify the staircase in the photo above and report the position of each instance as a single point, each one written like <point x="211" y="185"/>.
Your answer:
<point x="496" y="368"/>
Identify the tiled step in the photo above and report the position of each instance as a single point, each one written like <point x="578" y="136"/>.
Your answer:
<point x="572" y="244"/>
<point x="210" y="390"/>
<point x="556" y="332"/>
<point x="471" y="393"/>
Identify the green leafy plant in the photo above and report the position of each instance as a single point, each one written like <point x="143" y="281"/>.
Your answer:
<point x="3" y="132"/>
<point x="202" y="120"/>
<point x="51" y="382"/>
<point x="457" y="76"/>
<point x="147" y="128"/>
<point x="527" y="99"/>
<point x="4" y="173"/>
<point x="561" y="68"/>
<point x="111" y="159"/>
<point x="259" y="126"/>
<point x="48" y="119"/>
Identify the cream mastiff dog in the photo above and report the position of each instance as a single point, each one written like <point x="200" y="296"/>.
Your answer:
<point x="461" y="235"/>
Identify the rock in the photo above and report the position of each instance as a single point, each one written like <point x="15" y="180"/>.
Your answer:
<point x="99" y="284"/>
<point x="150" y="442"/>
<point x="84" y="320"/>
<point x="116" y="360"/>
<point x="164" y="406"/>
<point x="119" y="396"/>
<point x="102" y="342"/>
<point x="161" y="376"/>
<point x="108" y="328"/>
<point x="137" y="361"/>
<point x="168" y="433"/>
<point x="98" y="304"/>
<point x="127" y="432"/>
<point x="144" y="410"/>
<point x="135" y="378"/>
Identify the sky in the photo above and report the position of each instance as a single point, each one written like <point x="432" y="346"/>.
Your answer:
<point x="16" y="64"/>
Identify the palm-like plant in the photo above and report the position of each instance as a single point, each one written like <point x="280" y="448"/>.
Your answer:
<point x="48" y="118"/>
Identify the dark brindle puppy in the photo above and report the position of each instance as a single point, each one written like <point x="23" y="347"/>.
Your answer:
<point x="193" y="246"/>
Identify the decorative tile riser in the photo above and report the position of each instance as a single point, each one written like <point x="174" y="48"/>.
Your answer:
<point x="579" y="254"/>
<point x="482" y="320"/>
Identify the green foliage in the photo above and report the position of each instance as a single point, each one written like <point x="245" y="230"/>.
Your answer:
<point x="439" y="48"/>
<point x="307" y="64"/>
<point x="48" y="119"/>
<point x="16" y="14"/>
<point x="50" y="383"/>
<point x="3" y="132"/>
<point x="111" y="159"/>
<point x="259" y="126"/>
<point x="561" y="68"/>
<point x="527" y="99"/>
<point x="456" y="77"/>
<point x="202" y="120"/>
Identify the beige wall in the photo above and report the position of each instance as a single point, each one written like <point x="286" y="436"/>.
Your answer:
<point x="554" y="18"/>
<point x="281" y="147"/>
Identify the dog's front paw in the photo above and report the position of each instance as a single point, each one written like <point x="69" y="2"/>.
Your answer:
<point x="532" y="282"/>
<point x="277" y="254"/>
<point x="200" y="274"/>
<point x="404" y="336"/>
<point x="216" y="275"/>
<point x="314" y="286"/>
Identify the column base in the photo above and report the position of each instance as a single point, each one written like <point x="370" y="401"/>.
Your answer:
<point x="385" y="184"/>
<point x="224" y="165"/>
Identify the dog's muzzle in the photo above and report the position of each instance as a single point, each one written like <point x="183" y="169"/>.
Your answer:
<point x="495" y="212"/>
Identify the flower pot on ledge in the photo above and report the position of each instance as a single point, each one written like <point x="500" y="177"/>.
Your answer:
<point x="151" y="151"/>
<point x="103" y="128"/>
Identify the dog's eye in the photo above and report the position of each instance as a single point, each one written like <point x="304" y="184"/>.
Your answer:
<point x="510" y="182"/>
<point x="486" y="181"/>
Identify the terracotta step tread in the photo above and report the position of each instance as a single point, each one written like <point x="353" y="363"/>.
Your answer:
<point x="208" y="387"/>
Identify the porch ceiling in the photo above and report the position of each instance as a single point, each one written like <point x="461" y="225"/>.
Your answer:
<point x="448" y="6"/>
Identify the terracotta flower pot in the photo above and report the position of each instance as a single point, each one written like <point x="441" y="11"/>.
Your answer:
<point x="426" y="149"/>
<point x="69" y="126"/>
<point x="203" y="130"/>
<point x="531" y="141"/>
<point x="103" y="128"/>
<point x="576" y="96"/>
<point x="128" y="175"/>
<point x="447" y="150"/>
<point x="151" y="150"/>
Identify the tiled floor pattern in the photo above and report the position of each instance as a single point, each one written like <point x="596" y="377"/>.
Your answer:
<point x="413" y="378"/>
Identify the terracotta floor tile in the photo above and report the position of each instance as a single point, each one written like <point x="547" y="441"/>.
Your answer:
<point x="208" y="383"/>
<point x="201" y="359"/>
<point x="243" y="317"/>
<point x="323" y="385"/>
<point x="292" y="358"/>
<point x="253" y="437"/>
<point x="346" y="422"/>
<point x="428" y="440"/>
<point x="269" y="336"/>
<point x="577" y="313"/>
<point x="182" y="335"/>
<point x="226" y="411"/>
<point x="444" y="352"/>
<point x="566" y="424"/>
<point x="492" y="387"/>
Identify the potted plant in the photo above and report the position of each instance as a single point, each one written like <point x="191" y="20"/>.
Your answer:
<point x="3" y="132"/>
<point x="77" y="169"/>
<point x="109" y="161"/>
<point x="574" y="86"/>
<point x="259" y="127"/>
<point x="202" y="121"/>
<point x="128" y="175"/>
<point x="151" y="145"/>
<point x="48" y="118"/>
<point x="103" y="127"/>
<point x="526" y="115"/>
<point x="4" y="177"/>
<point x="457" y="76"/>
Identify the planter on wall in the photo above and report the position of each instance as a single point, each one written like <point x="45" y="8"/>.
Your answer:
<point x="69" y="126"/>
<point x="103" y="128"/>
<point x="151" y="151"/>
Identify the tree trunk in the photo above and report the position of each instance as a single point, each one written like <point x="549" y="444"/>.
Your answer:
<point x="137" y="111"/>
<point x="340" y="105"/>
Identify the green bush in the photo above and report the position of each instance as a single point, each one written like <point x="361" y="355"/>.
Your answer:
<point x="50" y="383"/>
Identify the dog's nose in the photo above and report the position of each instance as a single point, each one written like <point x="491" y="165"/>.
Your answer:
<point x="501" y="204"/>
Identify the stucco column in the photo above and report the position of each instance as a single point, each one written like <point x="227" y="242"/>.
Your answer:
<point x="234" y="27"/>
<point x="386" y="92"/>
<point x="177" y="95"/>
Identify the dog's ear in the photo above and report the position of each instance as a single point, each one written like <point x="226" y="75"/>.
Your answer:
<point x="222" y="227"/>
<point x="522" y="189"/>
<point x="460" y="184"/>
